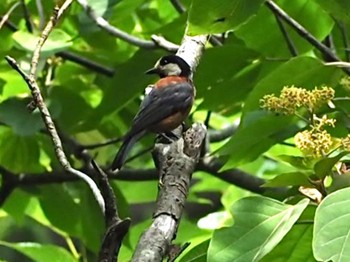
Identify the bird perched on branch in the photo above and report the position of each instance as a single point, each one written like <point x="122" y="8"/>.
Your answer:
<point x="165" y="107"/>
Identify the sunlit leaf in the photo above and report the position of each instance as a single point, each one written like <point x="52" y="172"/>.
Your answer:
<point x="58" y="40"/>
<point x="41" y="253"/>
<point x="331" y="231"/>
<point x="259" y="225"/>
<point x="220" y="16"/>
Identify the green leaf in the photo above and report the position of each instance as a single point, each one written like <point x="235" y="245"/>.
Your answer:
<point x="220" y="16"/>
<point x="41" y="253"/>
<point x="260" y="224"/>
<point x="215" y="83"/>
<point x="16" y="204"/>
<point x="14" y="112"/>
<point x="296" y="161"/>
<point x="308" y="13"/>
<point x="324" y="166"/>
<point x="58" y="41"/>
<point x="19" y="154"/>
<point x="72" y="116"/>
<point x="197" y="254"/>
<point x="294" y="247"/>
<point x="14" y="85"/>
<point x="331" y="240"/>
<point x="247" y="144"/>
<point x="56" y="202"/>
<point x="337" y="8"/>
<point x="289" y="179"/>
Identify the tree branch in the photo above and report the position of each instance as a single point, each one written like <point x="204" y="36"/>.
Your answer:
<point x="177" y="162"/>
<point x="289" y="41"/>
<point x="27" y="19"/>
<point x="92" y="65"/>
<point x="104" y="24"/>
<point x="39" y="101"/>
<point x="4" y="19"/>
<point x="304" y="33"/>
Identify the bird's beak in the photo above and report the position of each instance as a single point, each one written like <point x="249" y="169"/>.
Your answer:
<point x="154" y="70"/>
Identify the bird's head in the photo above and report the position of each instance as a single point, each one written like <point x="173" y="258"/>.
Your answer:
<point x="171" y="65"/>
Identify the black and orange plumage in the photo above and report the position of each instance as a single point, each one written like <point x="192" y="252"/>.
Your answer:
<point x="165" y="107"/>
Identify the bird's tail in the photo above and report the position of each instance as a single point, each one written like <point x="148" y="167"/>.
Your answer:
<point x="128" y="142"/>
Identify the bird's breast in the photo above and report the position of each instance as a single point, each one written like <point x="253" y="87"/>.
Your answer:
<point x="170" y="80"/>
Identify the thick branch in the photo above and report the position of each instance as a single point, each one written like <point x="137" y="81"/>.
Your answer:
<point x="176" y="162"/>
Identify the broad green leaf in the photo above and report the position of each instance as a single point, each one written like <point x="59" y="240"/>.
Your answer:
<point x="289" y="179"/>
<point x="70" y="117"/>
<point x="296" y="161"/>
<point x="260" y="224"/>
<point x="337" y="8"/>
<point x="215" y="83"/>
<point x="41" y="253"/>
<point x="297" y="244"/>
<point x="16" y="204"/>
<point x="197" y="254"/>
<point x="331" y="240"/>
<point x="14" y="113"/>
<point x="294" y="247"/>
<point x="247" y="144"/>
<point x="58" y="41"/>
<point x="220" y="16"/>
<point x="14" y="84"/>
<point x="324" y="166"/>
<point x="307" y="13"/>
<point x="56" y="202"/>
<point x="18" y="153"/>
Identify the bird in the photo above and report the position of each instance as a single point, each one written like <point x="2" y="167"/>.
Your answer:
<point x="166" y="105"/>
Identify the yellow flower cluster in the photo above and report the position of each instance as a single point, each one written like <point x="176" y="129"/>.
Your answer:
<point x="315" y="142"/>
<point x="346" y="142"/>
<point x="312" y="143"/>
<point x="292" y="98"/>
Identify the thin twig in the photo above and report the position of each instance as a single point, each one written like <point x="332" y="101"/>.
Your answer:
<point x="7" y="15"/>
<point x="83" y="61"/>
<point x="104" y="24"/>
<point x="27" y="19"/>
<point x="39" y="101"/>
<point x="178" y="6"/>
<point x="102" y="144"/>
<point x="303" y="32"/>
<point x="345" y="37"/>
<point x="39" y="6"/>
<point x="287" y="38"/>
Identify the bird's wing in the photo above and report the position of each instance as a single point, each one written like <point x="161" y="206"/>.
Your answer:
<point x="161" y="103"/>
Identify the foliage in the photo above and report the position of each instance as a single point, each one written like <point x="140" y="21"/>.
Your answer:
<point x="293" y="131"/>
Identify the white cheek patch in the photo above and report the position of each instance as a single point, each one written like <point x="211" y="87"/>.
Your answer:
<point x="172" y="69"/>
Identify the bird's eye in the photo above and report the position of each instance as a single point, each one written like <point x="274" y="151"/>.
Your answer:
<point x="165" y="61"/>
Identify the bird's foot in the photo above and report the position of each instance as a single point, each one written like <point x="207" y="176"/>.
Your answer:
<point x="168" y="137"/>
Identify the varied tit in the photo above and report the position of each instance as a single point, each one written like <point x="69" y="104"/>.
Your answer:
<point x="166" y="105"/>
